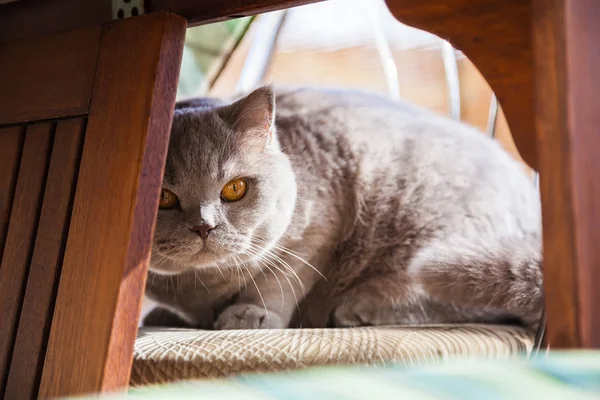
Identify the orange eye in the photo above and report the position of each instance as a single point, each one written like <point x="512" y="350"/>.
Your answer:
<point x="234" y="190"/>
<point x="167" y="199"/>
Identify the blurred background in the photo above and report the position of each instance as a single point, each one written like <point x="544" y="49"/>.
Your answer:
<point x="344" y="44"/>
<point x="340" y="43"/>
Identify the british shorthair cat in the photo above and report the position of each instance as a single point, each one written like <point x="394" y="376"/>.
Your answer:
<point x="321" y="207"/>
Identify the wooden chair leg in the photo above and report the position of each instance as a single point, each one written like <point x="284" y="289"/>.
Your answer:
<point x="563" y="59"/>
<point x="567" y="117"/>
<point x="496" y="36"/>
<point x="79" y="198"/>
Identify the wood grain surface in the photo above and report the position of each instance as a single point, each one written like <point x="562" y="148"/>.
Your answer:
<point x="11" y="143"/>
<point x="47" y="77"/>
<point x="36" y="17"/>
<point x="29" y="18"/>
<point x="567" y="61"/>
<point x="42" y="282"/>
<point x="20" y="238"/>
<point x="90" y="347"/>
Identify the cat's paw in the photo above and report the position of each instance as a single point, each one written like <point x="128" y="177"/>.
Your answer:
<point x="248" y="316"/>
<point x="358" y="313"/>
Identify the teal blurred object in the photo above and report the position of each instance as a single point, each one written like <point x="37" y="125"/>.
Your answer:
<point x="206" y="49"/>
<point x="570" y="375"/>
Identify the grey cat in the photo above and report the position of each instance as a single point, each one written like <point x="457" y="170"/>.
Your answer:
<point x="339" y="208"/>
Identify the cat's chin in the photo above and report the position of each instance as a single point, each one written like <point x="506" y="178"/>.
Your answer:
<point x="170" y="266"/>
<point x="227" y="260"/>
<point x="208" y="257"/>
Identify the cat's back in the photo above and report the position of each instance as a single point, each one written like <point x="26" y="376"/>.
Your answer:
<point x="367" y="121"/>
<point x="339" y="126"/>
<point x="350" y="123"/>
<point x="341" y="112"/>
<point x="308" y="100"/>
<point x="364" y="139"/>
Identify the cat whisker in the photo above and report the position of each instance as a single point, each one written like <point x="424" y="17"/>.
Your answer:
<point x="305" y="263"/>
<point x="219" y="269"/>
<point x="202" y="283"/>
<point x="239" y="278"/>
<point x="293" y="254"/>
<point x="286" y="276"/>
<point x="257" y="290"/>
<point x="161" y="261"/>
<point x="266" y="242"/>
<point x="239" y="271"/>
<point x="267" y="254"/>
<point x="290" y="271"/>
<point x="263" y="273"/>
<point x="288" y="268"/>
<point x="152" y="281"/>
<point x="233" y="270"/>
<point x="250" y="252"/>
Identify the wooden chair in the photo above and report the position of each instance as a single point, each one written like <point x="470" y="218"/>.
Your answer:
<point x="84" y="123"/>
<point x="84" y="127"/>
<point x="539" y="57"/>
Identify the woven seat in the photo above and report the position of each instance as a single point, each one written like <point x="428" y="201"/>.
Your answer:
<point x="167" y="355"/>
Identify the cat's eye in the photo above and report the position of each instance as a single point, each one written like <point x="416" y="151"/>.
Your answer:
<point x="167" y="200"/>
<point x="234" y="190"/>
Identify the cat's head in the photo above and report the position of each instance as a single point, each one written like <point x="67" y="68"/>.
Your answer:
<point x="228" y="189"/>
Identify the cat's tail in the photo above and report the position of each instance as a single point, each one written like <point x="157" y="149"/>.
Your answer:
<point x="501" y="275"/>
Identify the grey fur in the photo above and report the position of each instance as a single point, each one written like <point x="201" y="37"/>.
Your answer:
<point x="409" y="217"/>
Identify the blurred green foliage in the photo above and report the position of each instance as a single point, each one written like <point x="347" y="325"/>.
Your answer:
<point x="205" y="45"/>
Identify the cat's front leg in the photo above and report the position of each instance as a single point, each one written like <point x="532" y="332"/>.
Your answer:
<point x="161" y="317"/>
<point x="270" y="298"/>
<point x="381" y="300"/>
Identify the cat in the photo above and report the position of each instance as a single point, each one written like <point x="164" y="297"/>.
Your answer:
<point x="336" y="208"/>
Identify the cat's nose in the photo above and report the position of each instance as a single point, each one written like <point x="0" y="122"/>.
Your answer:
<point x="202" y="230"/>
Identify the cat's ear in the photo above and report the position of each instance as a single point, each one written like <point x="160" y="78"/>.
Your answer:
<point x="254" y="115"/>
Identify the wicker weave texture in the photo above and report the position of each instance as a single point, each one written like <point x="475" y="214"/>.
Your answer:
<point x="168" y="355"/>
